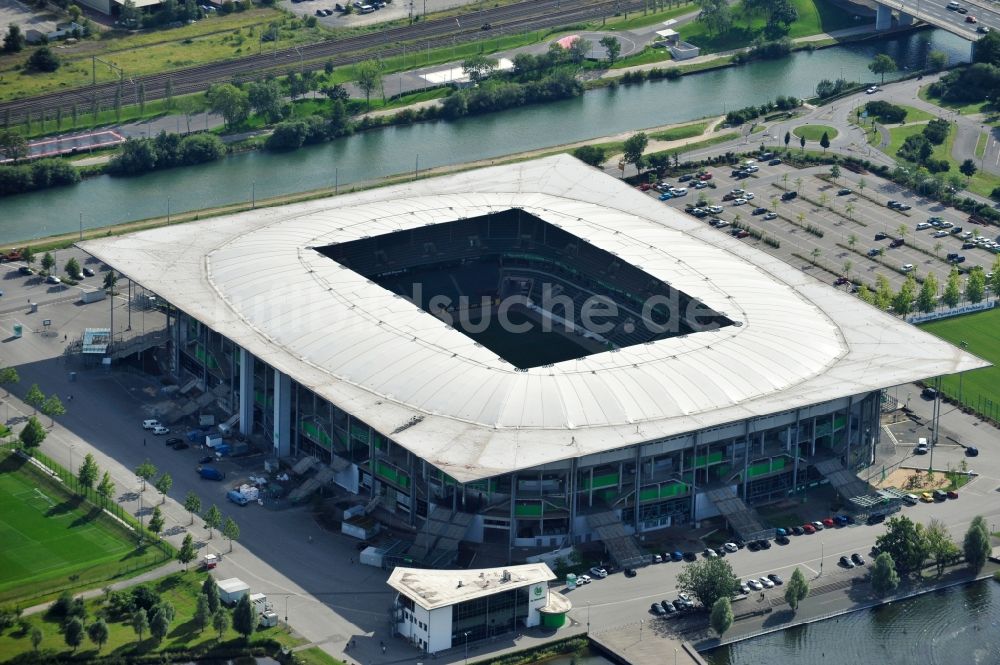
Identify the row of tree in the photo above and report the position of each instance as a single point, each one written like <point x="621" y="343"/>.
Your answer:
<point x="166" y="150"/>
<point x="719" y="17"/>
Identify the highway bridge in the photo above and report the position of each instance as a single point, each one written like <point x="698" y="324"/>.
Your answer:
<point x="966" y="18"/>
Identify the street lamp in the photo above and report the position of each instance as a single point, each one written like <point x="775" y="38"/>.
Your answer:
<point x="466" y="633"/>
<point x="640" y="629"/>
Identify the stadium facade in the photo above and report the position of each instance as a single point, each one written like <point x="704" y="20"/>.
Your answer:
<point x="756" y="381"/>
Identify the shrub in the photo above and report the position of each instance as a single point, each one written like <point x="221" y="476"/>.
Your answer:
<point x="43" y="60"/>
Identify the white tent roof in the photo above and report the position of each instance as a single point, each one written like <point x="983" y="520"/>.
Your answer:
<point x="431" y="589"/>
<point x="254" y="278"/>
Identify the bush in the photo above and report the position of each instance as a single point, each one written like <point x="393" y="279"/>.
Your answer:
<point x="590" y="154"/>
<point x="886" y="112"/>
<point x="37" y="175"/>
<point x="200" y="148"/>
<point x="43" y="60"/>
<point x="937" y="130"/>
<point x="287" y="135"/>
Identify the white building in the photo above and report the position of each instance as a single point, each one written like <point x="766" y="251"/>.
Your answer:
<point x="438" y="609"/>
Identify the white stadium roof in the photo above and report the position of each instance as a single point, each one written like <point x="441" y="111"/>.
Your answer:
<point x="254" y="278"/>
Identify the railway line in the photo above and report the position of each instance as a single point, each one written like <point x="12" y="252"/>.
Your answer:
<point x="509" y="19"/>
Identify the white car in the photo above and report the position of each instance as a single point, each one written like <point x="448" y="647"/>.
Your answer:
<point x="748" y="196"/>
<point x="767" y="583"/>
<point x="599" y="573"/>
<point x="740" y="201"/>
<point x="907" y="267"/>
<point x="731" y="547"/>
<point x="715" y="210"/>
<point x="160" y="429"/>
<point x="744" y="589"/>
<point x="755" y="585"/>
<point x="941" y="234"/>
<point x="583" y="579"/>
<point x="923" y="225"/>
<point x="150" y="424"/>
<point x="872" y="90"/>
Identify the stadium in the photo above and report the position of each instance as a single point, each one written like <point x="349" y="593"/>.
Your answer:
<point x="531" y="356"/>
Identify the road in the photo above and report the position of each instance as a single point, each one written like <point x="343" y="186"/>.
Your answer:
<point x="520" y="17"/>
<point x="936" y="13"/>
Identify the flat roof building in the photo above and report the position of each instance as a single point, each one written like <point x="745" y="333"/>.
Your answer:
<point x="306" y="322"/>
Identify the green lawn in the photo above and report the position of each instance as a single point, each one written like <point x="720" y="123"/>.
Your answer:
<point x="682" y="132"/>
<point x="814" y="132"/>
<point x="815" y="16"/>
<point x="53" y="540"/>
<point x="180" y="590"/>
<point x="964" y="109"/>
<point x="912" y="114"/>
<point x="943" y="151"/>
<point x="981" y="332"/>
<point x="981" y="143"/>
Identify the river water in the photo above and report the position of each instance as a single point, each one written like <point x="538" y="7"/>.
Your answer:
<point x="104" y="201"/>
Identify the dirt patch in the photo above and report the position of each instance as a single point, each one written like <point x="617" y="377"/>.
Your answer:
<point x="911" y="480"/>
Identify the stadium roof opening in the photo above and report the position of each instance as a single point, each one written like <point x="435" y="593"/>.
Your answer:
<point x="528" y="290"/>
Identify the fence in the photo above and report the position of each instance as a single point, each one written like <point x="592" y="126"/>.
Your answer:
<point x="951" y="311"/>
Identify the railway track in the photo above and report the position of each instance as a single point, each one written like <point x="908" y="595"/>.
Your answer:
<point x="509" y="19"/>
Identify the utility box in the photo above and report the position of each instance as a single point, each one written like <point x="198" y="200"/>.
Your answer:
<point x="259" y="603"/>
<point x="268" y="620"/>
<point x="231" y="590"/>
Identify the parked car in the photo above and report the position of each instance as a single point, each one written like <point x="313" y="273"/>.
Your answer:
<point x="771" y="215"/>
<point x="971" y="451"/>
<point x="874" y="252"/>
<point x="211" y="473"/>
<point x="583" y="579"/>
<point x="818" y="525"/>
<point x="881" y="235"/>
<point x="858" y="559"/>
<point x="828" y="522"/>
<point x="846" y="562"/>
<point x="776" y="578"/>
<point x="237" y="498"/>
<point x="759" y="211"/>
<point x="766" y="583"/>
<point x="844" y="192"/>
<point x="788" y="196"/>
<point x="599" y="572"/>
<point x="630" y="572"/>
<point x="952" y="494"/>
<point x="183" y="445"/>
<point x="782" y="540"/>
<point x="797" y="530"/>
<point x="897" y="242"/>
<point x="709" y="553"/>
<point x="172" y="441"/>
<point x="940" y="495"/>
<point x="730" y="547"/>
<point x="690" y="556"/>
<point x="656" y="609"/>
<point x="927" y="497"/>
<point x="907" y="267"/>
<point x="774" y="162"/>
<point x="160" y="429"/>
<point x="87" y="272"/>
<point x="755" y="585"/>
<point x="657" y="558"/>
<point x="150" y="424"/>
<point x="808" y="528"/>
<point x="677" y="555"/>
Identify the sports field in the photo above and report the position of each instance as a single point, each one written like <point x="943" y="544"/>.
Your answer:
<point x="53" y="540"/>
<point x="980" y="389"/>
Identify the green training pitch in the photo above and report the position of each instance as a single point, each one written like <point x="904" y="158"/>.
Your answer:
<point x="54" y="540"/>
<point x="980" y="389"/>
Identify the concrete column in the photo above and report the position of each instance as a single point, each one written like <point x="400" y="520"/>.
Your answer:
<point x="571" y="488"/>
<point x="883" y="17"/>
<point x="246" y="392"/>
<point x="694" y="476"/>
<point x="746" y="458"/>
<point x="794" y="441"/>
<point x="905" y="19"/>
<point x="282" y="434"/>
<point x="638" y="484"/>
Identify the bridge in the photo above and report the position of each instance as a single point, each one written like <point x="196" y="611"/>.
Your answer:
<point x="968" y="20"/>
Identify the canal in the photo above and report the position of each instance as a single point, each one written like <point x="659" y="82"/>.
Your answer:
<point x="105" y="201"/>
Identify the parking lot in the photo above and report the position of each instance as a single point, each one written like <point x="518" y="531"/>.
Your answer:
<point x="838" y="231"/>
<point x="399" y="9"/>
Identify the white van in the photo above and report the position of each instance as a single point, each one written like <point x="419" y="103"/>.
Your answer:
<point x="151" y="424"/>
<point x="921" y="448"/>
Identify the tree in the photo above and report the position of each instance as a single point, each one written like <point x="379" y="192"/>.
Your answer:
<point x="220" y="621"/>
<point x="976" y="545"/>
<point x="715" y="15"/>
<point x="159" y="625"/>
<point x="231" y="531"/>
<point x="635" y="145"/>
<point x="110" y="279"/>
<point x="48" y="262"/>
<point x="88" y="471"/>
<point x="902" y="303"/>
<point x="835" y="171"/>
<point x="788" y="139"/>
<point x="73" y="632"/>
<point x="927" y="298"/>
<point x="885" y="579"/>
<point x="156" y="521"/>
<point x="213" y="518"/>
<point x="13" y="145"/>
<point x="975" y="286"/>
<point x="722" y="615"/>
<point x="882" y="64"/>
<point x="940" y="545"/>
<point x="163" y="485"/>
<point x="244" y="618"/>
<point x="968" y="168"/>
<point x="186" y="553"/>
<point x="98" y="633"/>
<point x="824" y="141"/>
<point x="36" y="637"/>
<point x="613" y="47"/>
<point x="145" y="471"/>
<point x="905" y="541"/>
<point x="953" y="289"/>
<point x="265" y="99"/>
<point x="368" y="75"/>
<point x="211" y="593"/>
<point x="32" y="434"/>
<point x="995" y="280"/>
<point x="43" y="60"/>
<point x="53" y="408"/>
<point x="479" y="68"/>
<point x="13" y="41"/>
<point x="590" y="154"/>
<point x="139" y="622"/>
<point x="35" y="397"/>
<point x="72" y="268"/>
<point x="937" y="60"/>
<point x="852" y="240"/>
<point x="9" y="375"/>
<point x="797" y="589"/>
<point x="708" y="580"/>
<point x="228" y="101"/>
<point x="202" y="615"/>
<point x="106" y="488"/>
<point x="192" y="504"/>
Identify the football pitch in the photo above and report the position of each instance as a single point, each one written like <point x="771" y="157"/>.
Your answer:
<point x="980" y="389"/>
<point x="53" y="540"/>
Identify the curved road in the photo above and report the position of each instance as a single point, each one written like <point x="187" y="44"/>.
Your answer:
<point x="524" y="16"/>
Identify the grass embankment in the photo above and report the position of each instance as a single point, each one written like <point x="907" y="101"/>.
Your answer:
<point x="963" y="109"/>
<point x="180" y="590"/>
<point x="678" y="133"/>
<point x="54" y="540"/>
<point x="981" y="333"/>
<point x="814" y="132"/>
<point x="982" y="183"/>
<point x="981" y="143"/>
<point x="814" y="17"/>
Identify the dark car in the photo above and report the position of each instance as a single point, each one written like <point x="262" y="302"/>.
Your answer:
<point x="753" y="546"/>
<point x="182" y="445"/>
<point x="686" y="177"/>
<point x="782" y="540"/>
<point x="858" y="559"/>
<point x="846" y="562"/>
<point x="929" y="393"/>
<point x="892" y="203"/>
<point x="207" y="459"/>
<point x="897" y="242"/>
<point x="968" y="245"/>
<point x="844" y="192"/>
<point x="797" y="530"/>
<point x="776" y="578"/>
<point x="487" y="26"/>
<point x="172" y="441"/>
<point x="840" y="281"/>
<point x="971" y="451"/>
<point x="764" y="544"/>
<point x="788" y="196"/>
<point x="690" y="556"/>
<point x="878" y="518"/>
<point x="630" y="572"/>
<point x="667" y="606"/>
<point x="881" y="235"/>
<point x="656" y="609"/>
<point x="87" y="272"/>
<point x="677" y="556"/>
<point x="759" y="211"/>
<point x="680" y="605"/>
<point x="874" y="252"/>
<point x="774" y="162"/>
<point x="26" y="270"/>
